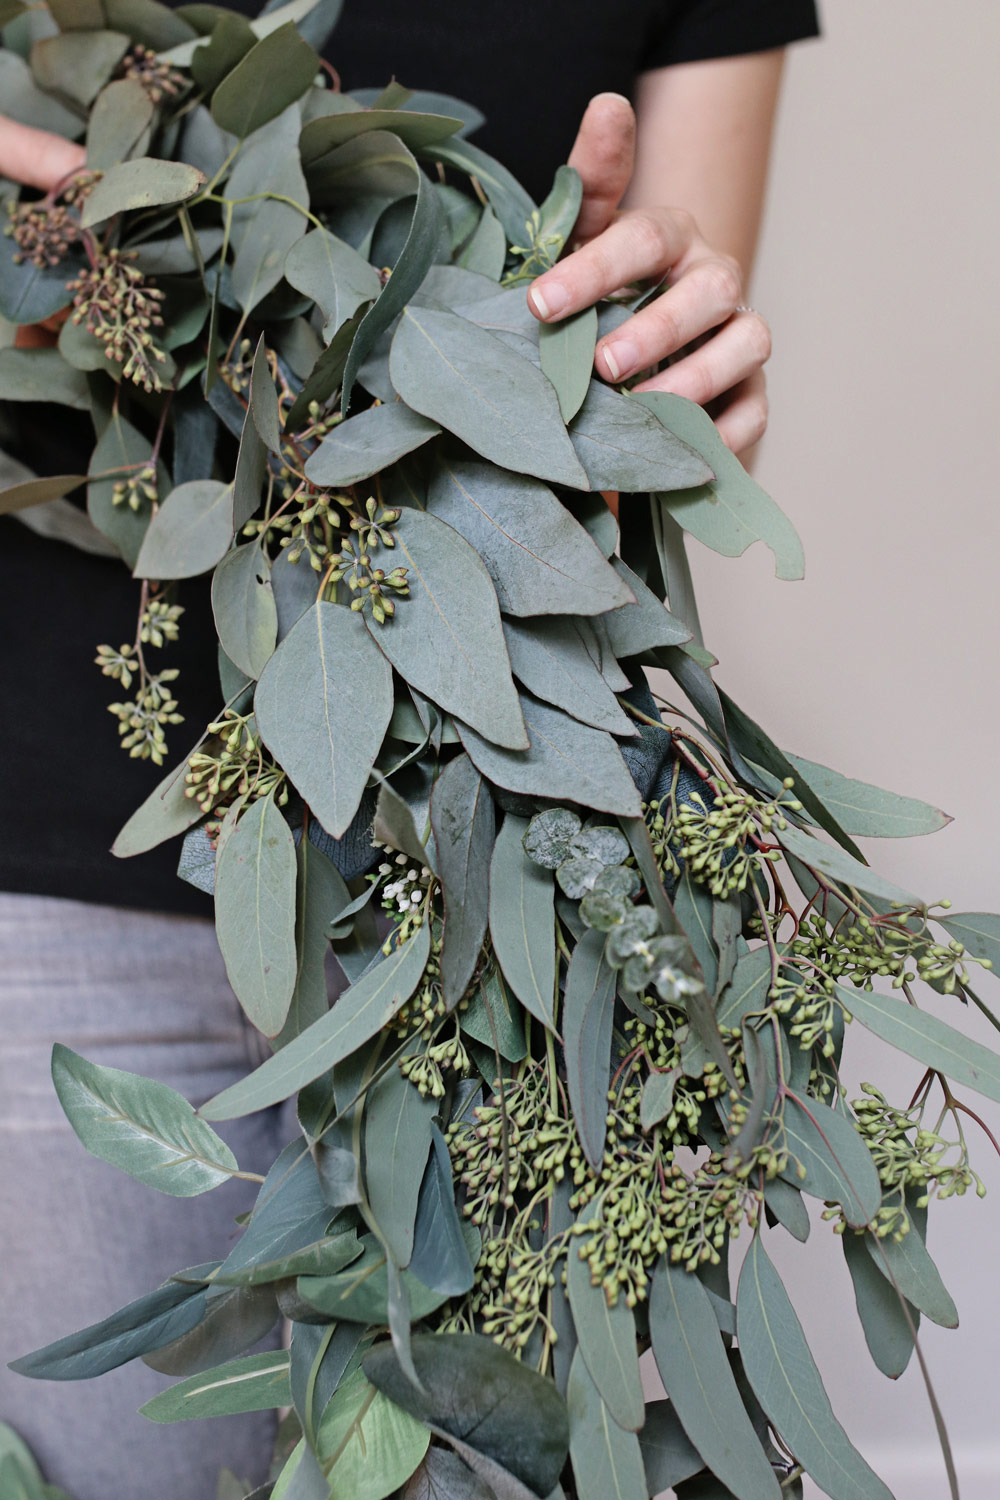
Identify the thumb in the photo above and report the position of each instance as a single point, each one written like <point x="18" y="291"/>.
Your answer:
<point x="603" y="154"/>
<point x="36" y="158"/>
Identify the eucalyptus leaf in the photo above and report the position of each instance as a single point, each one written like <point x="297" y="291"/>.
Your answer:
<point x="539" y="557"/>
<point x="606" y="1459"/>
<point x="272" y="75"/>
<point x="840" y="865"/>
<point x="550" y="658"/>
<point x="323" y="704"/>
<point x="41" y="375"/>
<point x="165" y="813"/>
<point x="38" y="492"/>
<point x="122" y="450"/>
<point x="567" y="352"/>
<point x="691" y="1359"/>
<point x="270" y="206"/>
<point x="567" y="761"/>
<point x="77" y="66"/>
<point x="908" y="1267"/>
<point x="443" y="1476"/>
<point x="511" y="204"/>
<point x="668" y="1456"/>
<point x="588" y="1014"/>
<point x="319" y="892"/>
<point x="607" y="1343"/>
<point x="141" y="1126"/>
<point x="495" y="1020"/>
<point x="235" y="1318"/>
<point x="333" y="275"/>
<point x="924" y="1037"/>
<point x="486" y="248"/>
<point x="257" y="1382"/>
<point x="693" y="905"/>
<point x="366" y="1445"/>
<point x="643" y="625"/>
<point x="731" y="511"/>
<point x="190" y="532"/>
<point x="783" y="1374"/>
<point x="243" y="604"/>
<point x="361" y="1294"/>
<point x="475" y="386"/>
<point x="366" y="443"/>
<point x="397" y="1137"/>
<point x="785" y="1202"/>
<point x="869" y="811"/>
<point x="979" y="931"/>
<point x="464" y="826"/>
<point x="622" y="446"/>
<point x="143" y="183"/>
<point x="142" y="1326"/>
<point x="889" y="1327"/>
<point x="447" y="641"/>
<point x="481" y="1395"/>
<point x="414" y="128"/>
<point x="358" y="1015"/>
<point x="828" y="1159"/>
<point x="522" y="922"/>
<point x="28" y="104"/>
<point x="440" y="1256"/>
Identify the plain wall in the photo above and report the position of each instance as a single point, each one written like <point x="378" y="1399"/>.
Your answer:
<point x="878" y="272"/>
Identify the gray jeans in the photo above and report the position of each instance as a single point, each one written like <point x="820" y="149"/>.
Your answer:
<point x="78" y="1239"/>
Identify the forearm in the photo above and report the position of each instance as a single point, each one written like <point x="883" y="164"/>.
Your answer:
<point x="704" y="140"/>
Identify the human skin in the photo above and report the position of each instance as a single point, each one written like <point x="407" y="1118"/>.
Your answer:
<point x="702" y="139"/>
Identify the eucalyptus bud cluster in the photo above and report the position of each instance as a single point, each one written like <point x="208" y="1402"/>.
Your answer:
<point x="369" y="584"/>
<point x="158" y="78"/>
<point x="120" y="309"/>
<point x="142" y="720"/>
<point x="809" y="1001"/>
<point x="42" y="231"/>
<point x="426" y="1070"/>
<point x="159" y="622"/>
<point x="136" y="486"/>
<point x="233" y="764"/>
<point x="721" y="844"/>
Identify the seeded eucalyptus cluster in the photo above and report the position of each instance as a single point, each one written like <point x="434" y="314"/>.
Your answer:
<point x="598" y="957"/>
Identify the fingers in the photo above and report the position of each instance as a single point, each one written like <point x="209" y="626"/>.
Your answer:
<point x="705" y="295"/>
<point x="603" y="154"/>
<point x="36" y="158"/>
<point x="636" y="246"/>
<point x="738" y="351"/>
<point x="743" y="421"/>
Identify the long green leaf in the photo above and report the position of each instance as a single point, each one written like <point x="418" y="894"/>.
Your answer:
<point x="440" y="1258"/>
<point x="828" y="1159"/>
<point x="979" y="931"/>
<point x="607" y="1343"/>
<point x="141" y="1126"/>
<point x="869" y="811"/>
<point x="148" y="1323"/>
<point x="256" y="1382"/>
<point x="841" y="866"/>
<point x="366" y="1444"/>
<point x="550" y="657"/>
<point x="255" y="914"/>
<point x="323" y="705"/>
<point x="190" y="532"/>
<point x="464" y="826"/>
<point x="357" y="1016"/>
<point x="144" y="183"/>
<point x="397" y="1137"/>
<point x="243" y="604"/>
<point x="588" y="1016"/>
<point x="907" y="1264"/>
<point x="622" y="446"/>
<point x="607" y="1461"/>
<point x="691" y="1359"/>
<point x="922" y="1036"/>
<point x="272" y="75"/>
<point x="367" y="443"/>
<point x="786" y="1382"/>
<point x="567" y="351"/>
<point x="887" y="1331"/>
<point x="522" y="921"/>
<point x="332" y="273"/>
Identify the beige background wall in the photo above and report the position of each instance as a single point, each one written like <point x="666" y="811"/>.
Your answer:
<point x="879" y="272"/>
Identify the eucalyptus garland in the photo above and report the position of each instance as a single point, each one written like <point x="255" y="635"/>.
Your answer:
<point x="599" y="948"/>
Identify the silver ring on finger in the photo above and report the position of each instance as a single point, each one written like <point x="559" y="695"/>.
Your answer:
<point x="743" y="307"/>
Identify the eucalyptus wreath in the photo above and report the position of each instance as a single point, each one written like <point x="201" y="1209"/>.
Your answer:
<point x="599" y="948"/>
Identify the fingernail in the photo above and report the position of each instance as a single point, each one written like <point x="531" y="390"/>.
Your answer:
<point x="621" y="358"/>
<point x="552" y="303"/>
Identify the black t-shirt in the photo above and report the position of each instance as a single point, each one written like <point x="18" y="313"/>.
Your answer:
<point x="65" y="786"/>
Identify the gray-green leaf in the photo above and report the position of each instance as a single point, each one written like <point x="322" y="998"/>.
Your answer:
<point x="607" y="1343"/>
<point x="464" y="826"/>
<point x="367" y="443"/>
<point x="923" y="1036"/>
<point x="143" y="183"/>
<point x="567" y="761"/>
<point x="908" y="1267"/>
<point x="828" y="1159"/>
<point x="272" y="75"/>
<point x="607" y="1461"/>
<point x="691" y="1359"/>
<point x="334" y="275"/>
<point x="397" y="1134"/>
<point x="358" y="1014"/>
<point x="323" y="704"/>
<point x="540" y="558"/>
<point x="786" y="1382"/>
<point x="888" y="1333"/>
<point x="257" y="1382"/>
<point x="243" y="604"/>
<point x="459" y="375"/>
<point x="140" y="1126"/>
<point x="588" y="1014"/>
<point x="731" y="510"/>
<point x="550" y="657"/>
<point x="567" y="351"/>
<point x="446" y="639"/>
<point x="840" y="865"/>
<point x="522" y="921"/>
<point x="255" y="914"/>
<point x="190" y="532"/>
<point x="622" y="446"/>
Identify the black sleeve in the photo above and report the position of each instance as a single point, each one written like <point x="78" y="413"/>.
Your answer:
<point x="698" y="29"/>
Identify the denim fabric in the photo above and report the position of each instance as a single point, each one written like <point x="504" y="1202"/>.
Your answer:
<point x="78" y="1239"/>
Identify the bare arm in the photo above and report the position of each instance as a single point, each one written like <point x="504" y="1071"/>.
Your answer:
<point x="703" y="143"/>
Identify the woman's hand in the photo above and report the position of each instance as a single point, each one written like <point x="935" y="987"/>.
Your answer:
<point x="614" y="247"/>
<point x="36" y="158"/>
